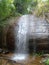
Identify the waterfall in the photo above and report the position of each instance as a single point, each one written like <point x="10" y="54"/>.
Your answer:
<point x="29" y="27"/>
<point x="22" y="36"/>
<point x="21" y="47"/>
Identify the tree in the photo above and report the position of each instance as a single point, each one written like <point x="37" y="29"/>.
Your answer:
<point x="42" y="7"/>
<point x="22" y="6"/>
<point x="6" y="8"/>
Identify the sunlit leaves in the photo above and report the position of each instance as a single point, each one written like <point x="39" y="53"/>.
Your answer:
<point x="42" y="7"/>
<point x="10" y="1"/>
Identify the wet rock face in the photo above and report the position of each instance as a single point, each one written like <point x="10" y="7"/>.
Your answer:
<point x="10" y="40"/>
<point x="28" y="25"/>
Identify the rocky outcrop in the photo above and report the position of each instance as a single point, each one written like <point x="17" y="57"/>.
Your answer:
<point x="10" y="39"/>
<point x="29" y="25"/>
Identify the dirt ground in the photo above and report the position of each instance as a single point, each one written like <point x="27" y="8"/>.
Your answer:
<point x="31" y="60"/>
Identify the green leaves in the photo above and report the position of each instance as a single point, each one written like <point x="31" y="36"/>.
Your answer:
<point x="46" y="62"/>
<point x="22" y="6"/>
<point x="42" y="7"/>
<point x="6" y="8"/>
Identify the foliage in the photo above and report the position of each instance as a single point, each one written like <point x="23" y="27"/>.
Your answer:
<point x="32" y="6"/>
<point x="20" y="6"/>
<point x="6" y="8"/>
<point x="42" y="8"/>
<point x="38" y="7"/>
<point x="46" y="62"/>
<point x="24" y="6"/>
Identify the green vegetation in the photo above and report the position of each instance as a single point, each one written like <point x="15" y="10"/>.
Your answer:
<point x="6" y="8"/>
<point x="10" y="8"/>
<point x="37" y="7"/>
<point x="42" y="7"/>
<point x="46" y="62"/>
<point x="25" y="6"/>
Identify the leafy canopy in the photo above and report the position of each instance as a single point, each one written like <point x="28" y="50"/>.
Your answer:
<point x="6" y="8"/>
<point x="42" y="7"/>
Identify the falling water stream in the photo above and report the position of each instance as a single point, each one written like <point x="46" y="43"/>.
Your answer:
<point x="21" y="39"/>
<point x="28" y="27"/>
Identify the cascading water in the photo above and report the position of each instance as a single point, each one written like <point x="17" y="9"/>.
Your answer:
<point x="21" y="39"/>
<point x="29" y="27"/>
<point x="22" y="36"/>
